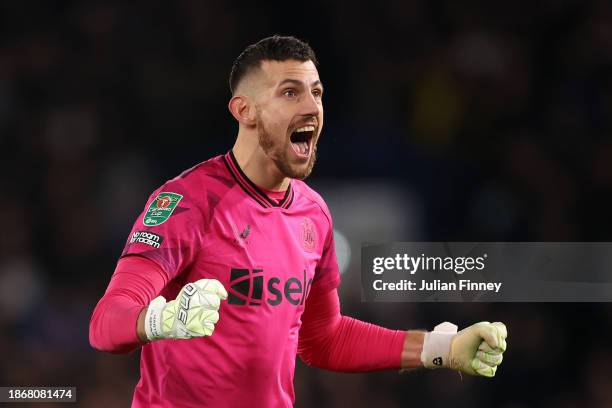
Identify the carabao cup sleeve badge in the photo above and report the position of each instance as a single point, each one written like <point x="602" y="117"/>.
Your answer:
<point x="161" y="208"/>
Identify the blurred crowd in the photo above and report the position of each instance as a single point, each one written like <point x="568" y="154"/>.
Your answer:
<point x="494" y="116"/>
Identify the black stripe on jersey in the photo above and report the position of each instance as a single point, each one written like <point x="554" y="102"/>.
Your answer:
<point x="242" y="178"/>
<point x="246" y="179"/>
<point x="288" y="203"/>
<point x="285" y="199"/>
<point x="229" y="168"/>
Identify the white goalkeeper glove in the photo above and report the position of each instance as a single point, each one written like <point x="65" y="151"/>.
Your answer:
<point x="475" y="350"/>
<point x="193" y="313"/>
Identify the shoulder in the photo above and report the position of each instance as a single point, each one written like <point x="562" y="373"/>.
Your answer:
<point x="199" y="186"/>
<point x="311" y="195"/>
<point x="203" y="175"/>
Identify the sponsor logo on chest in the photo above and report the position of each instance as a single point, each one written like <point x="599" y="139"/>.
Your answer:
<point x="247" y="288"/>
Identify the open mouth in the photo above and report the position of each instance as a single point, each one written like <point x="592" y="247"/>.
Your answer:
<point x="300" y="140"/>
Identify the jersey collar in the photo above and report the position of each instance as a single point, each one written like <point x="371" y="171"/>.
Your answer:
<point x="251" y="188"/>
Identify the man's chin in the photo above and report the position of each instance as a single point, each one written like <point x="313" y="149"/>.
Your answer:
<point x="296" y="173"/>
<point x="299" y="171"/>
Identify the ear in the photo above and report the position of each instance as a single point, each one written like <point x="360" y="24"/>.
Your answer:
<point x="242" y="109"/>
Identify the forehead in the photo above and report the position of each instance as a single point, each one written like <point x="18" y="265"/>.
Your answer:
<point x="277" y="71"/>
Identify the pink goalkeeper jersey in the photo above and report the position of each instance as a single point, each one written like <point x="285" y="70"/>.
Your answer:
<point x="213" y="222"/>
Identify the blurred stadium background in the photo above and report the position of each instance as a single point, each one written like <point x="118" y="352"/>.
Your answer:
<point x="472" y="120"/>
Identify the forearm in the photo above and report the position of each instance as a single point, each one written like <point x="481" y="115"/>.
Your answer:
<point x="113" y="325"/>
<point x="356" y="346"/>
<point x="340" y="343"/>
<point x="117" y="323"/>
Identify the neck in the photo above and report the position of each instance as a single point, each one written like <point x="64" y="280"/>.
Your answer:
<point x="257" y="166"/>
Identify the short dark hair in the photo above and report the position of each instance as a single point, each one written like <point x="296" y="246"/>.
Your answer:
<point x="275" y="48"/>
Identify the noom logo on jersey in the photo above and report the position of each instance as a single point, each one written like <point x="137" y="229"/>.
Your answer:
<point x="147" y="238"/>
<point x="247" y="289"/>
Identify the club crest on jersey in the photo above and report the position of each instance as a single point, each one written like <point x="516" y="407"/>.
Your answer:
<point x="161" y="208"/>
<point x="308" y="235"/>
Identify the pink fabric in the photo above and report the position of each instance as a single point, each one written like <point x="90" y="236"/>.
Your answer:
<point x="269" y="255"/>
<point x="327" y="339"/>
<point x="275" y="195"/>
<point x="134" y="284"/>
<point x="340" y="343"/>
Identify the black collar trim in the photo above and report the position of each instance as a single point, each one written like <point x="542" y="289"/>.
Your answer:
<point x="251" y="188"/>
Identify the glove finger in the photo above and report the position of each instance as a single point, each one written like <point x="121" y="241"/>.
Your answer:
<point x="501" y="328"/>
<point x="209" y="316"/>
<point x="212" y="286"/>
<point x="488" y="333"/>
<point x="197" y="332"/>
<point x="209" y="328"/>
<point x="199" y="329"/>
<point x="487" y="372"/>
<point x="210" y="301"/>
<point x="502" y="333"/>
<point x="488" y="349"/>
<point x="182" y="333"/>
<point x="483" y="369"/>
<point x="490" y="359"/>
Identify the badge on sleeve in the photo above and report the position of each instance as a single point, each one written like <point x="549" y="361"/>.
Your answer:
<point x="161" y="208"/>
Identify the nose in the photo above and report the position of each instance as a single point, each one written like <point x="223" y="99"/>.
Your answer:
<point x="311" y="106"/>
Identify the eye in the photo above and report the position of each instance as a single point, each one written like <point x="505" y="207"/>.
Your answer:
<point x="317" y="93"/>
<point x="290" y="93"/>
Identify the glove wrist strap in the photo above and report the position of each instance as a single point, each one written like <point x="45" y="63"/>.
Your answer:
<point x="437" y="345"/>
<point x="153" y="319"/>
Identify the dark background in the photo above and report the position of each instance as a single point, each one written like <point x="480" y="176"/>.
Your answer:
<point x="490" y="121"/>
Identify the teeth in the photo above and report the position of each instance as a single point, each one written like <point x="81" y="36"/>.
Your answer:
<point x="305" y="129"/>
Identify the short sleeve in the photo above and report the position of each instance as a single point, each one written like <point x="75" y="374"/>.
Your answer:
<point x="169" y="231"/>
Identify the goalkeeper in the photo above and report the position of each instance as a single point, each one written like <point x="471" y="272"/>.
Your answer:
<point x="230" y="270"/>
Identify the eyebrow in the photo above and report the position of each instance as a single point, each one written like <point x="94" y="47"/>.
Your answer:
<point x="299" y="83"/>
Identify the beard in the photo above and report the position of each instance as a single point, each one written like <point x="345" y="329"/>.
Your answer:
<point x="279" y="153"/>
